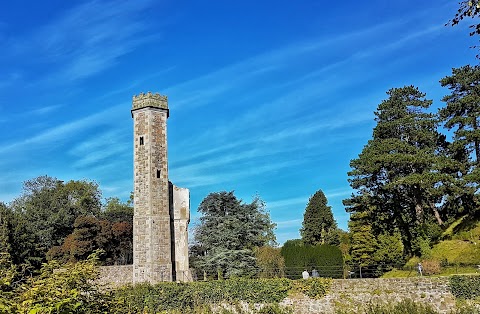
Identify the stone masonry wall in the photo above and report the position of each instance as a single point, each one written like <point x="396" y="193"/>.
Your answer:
<point x="356" y="293"/>
<point x="151" y="221"/>
<point x="181" y="218"/>
<point x="343" y="295"/>
<point x="116" y="276"/>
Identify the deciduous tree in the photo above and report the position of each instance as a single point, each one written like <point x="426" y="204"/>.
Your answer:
<point x="46" y="211"/>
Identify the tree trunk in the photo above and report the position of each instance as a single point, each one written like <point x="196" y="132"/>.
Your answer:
<point x="436" y="213"/>
<point x="419" y="213"/>
<point x="418" y="205"/>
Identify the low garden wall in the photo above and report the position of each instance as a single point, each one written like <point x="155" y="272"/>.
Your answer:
<point x="356" y="293"/>
<point x="342" y="294"/>
<point x="116" y="276"/>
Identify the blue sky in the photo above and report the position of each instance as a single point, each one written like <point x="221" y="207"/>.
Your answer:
<point x="266" y="97"/>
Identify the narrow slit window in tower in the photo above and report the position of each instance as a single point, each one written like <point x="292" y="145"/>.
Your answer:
<point x="141" y="140"/>
<point x="158" y="173"/>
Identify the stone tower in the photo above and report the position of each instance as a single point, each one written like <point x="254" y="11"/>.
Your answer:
<point x="161" y="210"/>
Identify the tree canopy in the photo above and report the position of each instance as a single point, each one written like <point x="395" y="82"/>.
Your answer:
<point x="44" y="214"/>
<point x="319" y="226"/>
<point x="228" y="232"/>
<point x="399" y="175"/>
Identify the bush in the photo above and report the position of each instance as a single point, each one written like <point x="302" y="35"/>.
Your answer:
<point x="327" y="259"/>
<point x="431" y="267"/>
<point x="68" y="289"/>
<point x="314" y="288"/>
<point x="465" y="287"/>
<point x="146" y="298"/>
<point x="403" y="307"/>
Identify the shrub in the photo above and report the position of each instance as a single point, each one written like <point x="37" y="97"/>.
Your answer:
<point x="403" y="307"/>
<point x="465" y="287"/>
<point x="431" y="267"/>
<point x="185" y="296"/>
<point x="327" y="259"/>
<point x="70" y="289"/>
<point x="314" y="288"/>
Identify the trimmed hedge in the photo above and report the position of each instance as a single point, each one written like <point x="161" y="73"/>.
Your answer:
<point x="146" y="298"/>
<point x="465" y="287"/>
<point x="326" y="259"/>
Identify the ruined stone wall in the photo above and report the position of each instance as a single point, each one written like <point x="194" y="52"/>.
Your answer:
<point x="151" y="221"/>
<point x="116" y="276"/>
<point x="357" y="293"/>
<point x="181" y="217"/>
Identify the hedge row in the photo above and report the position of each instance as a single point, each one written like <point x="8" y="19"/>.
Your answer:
<point x="146" y="298"/>
<point x="465" y="287"/>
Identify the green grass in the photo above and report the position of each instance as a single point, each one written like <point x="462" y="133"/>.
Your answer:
<point x="457" y="252"/>
<point x="398" y="273"/>
<point x="457" y="255"/>
<point x="450" y="231"/>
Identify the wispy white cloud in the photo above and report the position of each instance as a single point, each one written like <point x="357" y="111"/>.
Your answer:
<point x="44" y="110"/>
<point x="331" y="194"/>
<point x="288" y="223"/>
<point x="201" y="90"/>
<point x="204" y="177"/>
<point x="61" y="132"/>
<point x="295" y="201"/>
<point x="86" y="39"/>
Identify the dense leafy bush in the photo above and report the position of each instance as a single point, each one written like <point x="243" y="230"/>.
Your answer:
<point x="465" y="287"/>
<point x="314" y="288"/>
<point x="169" y="296"/>
<point x="326" y="259"/>
<point x="431" y="267"/>
<point x="402" y="307"/>
<point x="70" y="289"/>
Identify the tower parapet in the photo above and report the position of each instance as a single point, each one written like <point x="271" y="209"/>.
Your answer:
<point x="146" y="100"/>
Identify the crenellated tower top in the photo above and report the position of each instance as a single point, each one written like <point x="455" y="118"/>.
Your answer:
<point x="145" y="100"/>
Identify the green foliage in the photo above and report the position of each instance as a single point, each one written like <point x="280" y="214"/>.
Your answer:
<point x="319" y="226"/>
<point x="326" y="259"/>
<point x="44" y="214"/>
<point x="402" y="174"/>
<point x="461" y="114"/>
<point x="468" y="9"/>
<point x="389" y="251"/>
<point x="184" y="296"/>
<point x="457" y="252"/>
<point x="315" y="288"/>
<point x="465" y="287"/>
<point x="270" y="262"/>
<point x="70" y="289"/>
<point x="363" y="242"/>
<point x="227" y="234"/>
<point x="402" y="307"/>
<point x="114" y="210"/>
<point x="90" y="234"/>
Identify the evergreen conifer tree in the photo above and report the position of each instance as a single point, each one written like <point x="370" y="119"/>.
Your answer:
<point x="319" y="226"/>
<point x="401" y="174"/>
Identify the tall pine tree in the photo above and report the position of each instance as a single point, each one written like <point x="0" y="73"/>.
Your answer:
<point x="319" y="226"/>
<point x="462" y="115"/>
<point x="400" y="174"/>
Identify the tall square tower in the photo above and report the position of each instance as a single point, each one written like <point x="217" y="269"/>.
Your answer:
<point x="152" y="254"/>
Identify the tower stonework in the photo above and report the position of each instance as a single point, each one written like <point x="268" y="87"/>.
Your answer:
<point x="156" y="229"/>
